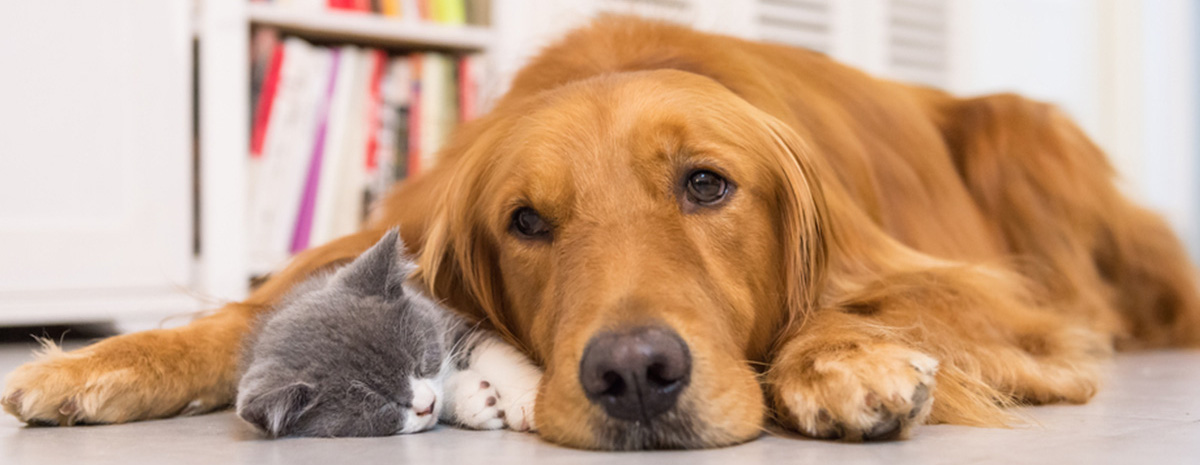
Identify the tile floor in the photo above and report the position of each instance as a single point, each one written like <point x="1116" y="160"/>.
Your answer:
<point x="1148" y="413"/>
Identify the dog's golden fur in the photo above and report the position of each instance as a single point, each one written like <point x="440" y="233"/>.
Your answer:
<point x="882" y="244"/>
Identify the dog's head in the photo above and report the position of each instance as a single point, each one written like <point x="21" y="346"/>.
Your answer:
<point x="645" y="235"/>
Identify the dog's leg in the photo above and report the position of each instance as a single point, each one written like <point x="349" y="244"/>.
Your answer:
<point x="159" y="373"/>
<point x="943" y="345"/>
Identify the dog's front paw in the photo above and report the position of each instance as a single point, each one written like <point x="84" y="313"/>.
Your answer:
<point x="859" y="392"/>
<point x="57" y="389"/>
<point x="474" y="401"/>
<point x="115" y="381"/>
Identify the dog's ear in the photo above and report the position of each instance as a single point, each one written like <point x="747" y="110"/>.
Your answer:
<point x="803" y="218"/>
<point x="832" y="247"/>
<point x="381" y="270"/>
<point x="276" y="412"/>
<point x="458" y="262"/>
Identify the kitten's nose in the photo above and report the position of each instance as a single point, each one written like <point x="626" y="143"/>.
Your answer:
<point x="424" y="399"/>
<point x="636" y="374"/>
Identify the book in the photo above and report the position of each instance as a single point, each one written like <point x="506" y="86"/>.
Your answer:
<point x="265" y="169"/>
<point x="415" y="147"/>
<point x="469" y="68"/>
<point x="430" y="115"/>
<point x="424" y="11"/>
<point x="392" y="131"/>
<point x="391" y="8"/>
<point x="451" y="12"/>
<point x="374" y="104"/>
<point x="279" y="179"/>
<point x="479" y="12"/>
<point x="442" y="92"/>
<point x="351" y="182"/>
<point x="448" y="11"/>
<point x="412" y="10"/>
<point x="399" y="106"/>
<point x="339" y="132"/>
<point x="344" y="125"/>
<point x="268" y="57"/>
<point x="301" y="238"/>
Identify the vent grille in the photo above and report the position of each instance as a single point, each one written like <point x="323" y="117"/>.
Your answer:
<point x="799" y="23"/>
<point x="679" y="11"/>
<point x="917" y="35"/>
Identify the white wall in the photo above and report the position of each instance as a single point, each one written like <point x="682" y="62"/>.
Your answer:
<point x="1170" y="153"/>
<point x="1124" y="69"/>
<point x="1045" y="49"/>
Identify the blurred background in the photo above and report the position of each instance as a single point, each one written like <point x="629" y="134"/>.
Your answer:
<point x="159" y="156"/>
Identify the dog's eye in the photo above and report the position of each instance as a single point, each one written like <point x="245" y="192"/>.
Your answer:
<point x="706" y="187"/>
<point x="528" y="224"/>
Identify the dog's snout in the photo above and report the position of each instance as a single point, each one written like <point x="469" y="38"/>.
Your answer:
<point x="636" y="374"/>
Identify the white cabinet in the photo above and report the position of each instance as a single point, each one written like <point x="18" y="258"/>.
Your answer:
<point x="95" y="159"/>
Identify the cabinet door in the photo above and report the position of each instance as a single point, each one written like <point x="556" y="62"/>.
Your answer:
<point x="95" y="156"/>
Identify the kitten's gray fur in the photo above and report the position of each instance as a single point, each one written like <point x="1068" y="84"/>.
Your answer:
<point x="340" y="355"/>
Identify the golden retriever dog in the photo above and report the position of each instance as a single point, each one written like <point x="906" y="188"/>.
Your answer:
<point x="697" y="235"/>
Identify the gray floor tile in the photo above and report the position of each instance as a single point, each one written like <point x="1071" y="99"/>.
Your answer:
<point x="1147" y="413"/>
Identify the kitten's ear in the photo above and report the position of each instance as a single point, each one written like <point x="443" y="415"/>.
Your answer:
<point x="381" y="270"/>
<point x="276" y="412"/>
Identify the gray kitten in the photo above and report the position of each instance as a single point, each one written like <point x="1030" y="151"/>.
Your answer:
<point x="361" y="353"/>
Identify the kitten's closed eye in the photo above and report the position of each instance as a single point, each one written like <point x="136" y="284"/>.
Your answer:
<point x="430" y="364"/>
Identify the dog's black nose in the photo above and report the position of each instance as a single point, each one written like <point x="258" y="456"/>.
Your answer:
<point x="636" y="374"/>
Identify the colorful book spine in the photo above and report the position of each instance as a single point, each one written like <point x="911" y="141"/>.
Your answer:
<point x="308" y="200"/>
<point x="392" y="8"/>
<point x="415" y="148"/>
<point x="375" y="102"/>
<point x="262" y="112"/>
<point x="334" y="128"/>
<point x="468" y="87"/>
<point x="450" y="12"/>
<point x="401" y="90"/>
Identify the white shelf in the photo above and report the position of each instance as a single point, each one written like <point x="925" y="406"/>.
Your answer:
<point x="369" y="29"/>
<point x="121" y="305"/>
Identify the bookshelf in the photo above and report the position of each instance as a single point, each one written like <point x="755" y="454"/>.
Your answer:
<point x="370" y="29"/>
<point x="134" y="183"/>
<point x="225" y="263"/>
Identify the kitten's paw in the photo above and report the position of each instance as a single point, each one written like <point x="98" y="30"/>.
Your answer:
<point x="518" y="413"/>
<point x="515" y="378"/>
<point x="476" y="402"/>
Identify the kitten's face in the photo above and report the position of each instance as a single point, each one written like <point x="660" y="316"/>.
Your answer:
<point x="343" y="375"/>
<point x="355" y="356"/>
